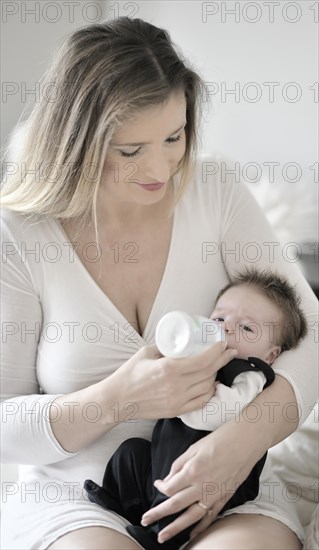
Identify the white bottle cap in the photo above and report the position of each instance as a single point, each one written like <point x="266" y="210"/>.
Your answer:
<point x="173" y="334"/>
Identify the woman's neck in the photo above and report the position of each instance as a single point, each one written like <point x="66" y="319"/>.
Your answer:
<point x="119" y="214"/>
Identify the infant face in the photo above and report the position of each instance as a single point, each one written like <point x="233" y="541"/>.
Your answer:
<point x="251" y="322"/>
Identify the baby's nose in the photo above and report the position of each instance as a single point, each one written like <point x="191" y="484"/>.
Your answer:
<point x="229" y="327"/>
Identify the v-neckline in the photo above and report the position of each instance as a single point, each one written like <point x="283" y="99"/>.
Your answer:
<point x="105" y="296"/>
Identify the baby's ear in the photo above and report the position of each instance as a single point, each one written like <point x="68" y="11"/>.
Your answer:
<point x="272" y="354"/>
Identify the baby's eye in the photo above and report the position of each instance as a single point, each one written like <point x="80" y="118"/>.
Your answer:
<point x="130" y="155"/>
<point x="246" y="328"/>
<point x="218" y="319"/>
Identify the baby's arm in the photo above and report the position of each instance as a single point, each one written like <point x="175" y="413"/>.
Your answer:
<point x="227" y="402"/>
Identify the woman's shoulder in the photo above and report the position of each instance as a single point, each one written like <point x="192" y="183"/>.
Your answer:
<point x="211" y="170"/>
<point x="210" y="180"/>
<point x="20" y="226"/>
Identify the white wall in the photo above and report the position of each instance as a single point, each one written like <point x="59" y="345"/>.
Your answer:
<point x="31" y="32"/>
<point x="232" y="51"/>
<point x="226" y="53"/>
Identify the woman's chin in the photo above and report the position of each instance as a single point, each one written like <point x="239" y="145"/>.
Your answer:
<point x="145" y="196"/>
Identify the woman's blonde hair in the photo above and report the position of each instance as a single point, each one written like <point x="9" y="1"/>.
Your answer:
<point x="103" y="74"/>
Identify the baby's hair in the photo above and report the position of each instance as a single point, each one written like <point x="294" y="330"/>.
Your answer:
<point x="277" y="289"/>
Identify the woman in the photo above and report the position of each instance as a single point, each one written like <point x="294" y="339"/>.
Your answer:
<point x="123" y="220"/>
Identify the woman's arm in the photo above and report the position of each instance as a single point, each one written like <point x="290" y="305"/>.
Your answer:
<point x="211" y="469"/>
<point x="171" y="386"/>
<point x="26" y="432"/>
<point x="57" y="425"/>
<point x="245" y="239"/>
<point x="50" y="422"/>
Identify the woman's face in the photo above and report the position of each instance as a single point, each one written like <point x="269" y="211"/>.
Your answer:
<point x="145" y="151"/>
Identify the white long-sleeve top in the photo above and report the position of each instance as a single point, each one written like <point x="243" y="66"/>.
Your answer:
<point x="61" y="333"/>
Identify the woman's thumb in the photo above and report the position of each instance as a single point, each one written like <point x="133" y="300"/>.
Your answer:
<point x="151" y="352"/>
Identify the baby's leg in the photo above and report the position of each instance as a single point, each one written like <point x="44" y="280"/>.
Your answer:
<point x="126" y="484"/>
<point x="171" y="437"/>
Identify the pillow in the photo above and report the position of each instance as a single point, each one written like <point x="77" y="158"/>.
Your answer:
<point x="296" y="461"/>
<point x="312" y="532"/>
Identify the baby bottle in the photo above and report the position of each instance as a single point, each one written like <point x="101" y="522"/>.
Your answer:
<point x="179" y="334"/>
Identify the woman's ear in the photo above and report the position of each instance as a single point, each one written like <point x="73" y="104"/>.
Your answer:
<point x="272" y="354"/>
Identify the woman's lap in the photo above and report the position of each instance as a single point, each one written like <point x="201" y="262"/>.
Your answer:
<point x="36" y="525"/>
<point x="246" y="532"/>
<point x="94" y="538"/>
<point x="234" y="532"/>
<point x="53" y="520"/>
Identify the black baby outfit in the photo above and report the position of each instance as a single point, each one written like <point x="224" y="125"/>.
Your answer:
<point x="128" y="488"/>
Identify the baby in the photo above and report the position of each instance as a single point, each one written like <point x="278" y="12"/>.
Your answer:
<point x="260" y="314"/>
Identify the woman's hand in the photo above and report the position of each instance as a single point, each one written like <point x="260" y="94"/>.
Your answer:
<point x="146" y="386"/>
<point x="209" y="472"/>
<point x="161" y="387"/>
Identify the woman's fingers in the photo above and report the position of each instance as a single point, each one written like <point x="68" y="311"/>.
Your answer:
<point x="201" y="384"/>
<point x="205" y="522"/>
<point x="173" y="386"/>
<point x="177" y="465"/>
<point x="171" y="485"/>
<point x="203" y="360"/>
<point x="197" y="402"/>
<point x="150" y="351"/>
<point x="209" y="369"/>
<point x="172" y="505"/>
<point x="201" y="372"/>
<point x="192" y="515"/>
<point x="222" y="359"/>
<point x="200" y="389"/>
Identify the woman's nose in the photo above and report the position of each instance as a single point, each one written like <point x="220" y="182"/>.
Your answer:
<point x="157" y="168"/>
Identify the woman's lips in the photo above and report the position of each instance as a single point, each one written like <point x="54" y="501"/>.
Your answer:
<point x="152" y="186"/>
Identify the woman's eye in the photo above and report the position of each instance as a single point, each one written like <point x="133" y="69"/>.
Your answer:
<point x="174" y="140"/>
<point x="130" y="155"/>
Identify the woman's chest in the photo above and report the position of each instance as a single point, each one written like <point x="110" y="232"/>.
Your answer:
<point x="129" y="269"/>
<point x="93" y="300"/>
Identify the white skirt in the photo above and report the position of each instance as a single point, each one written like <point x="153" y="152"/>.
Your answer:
<point x="275" y="500"/>
<point x="34" y="523"/>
